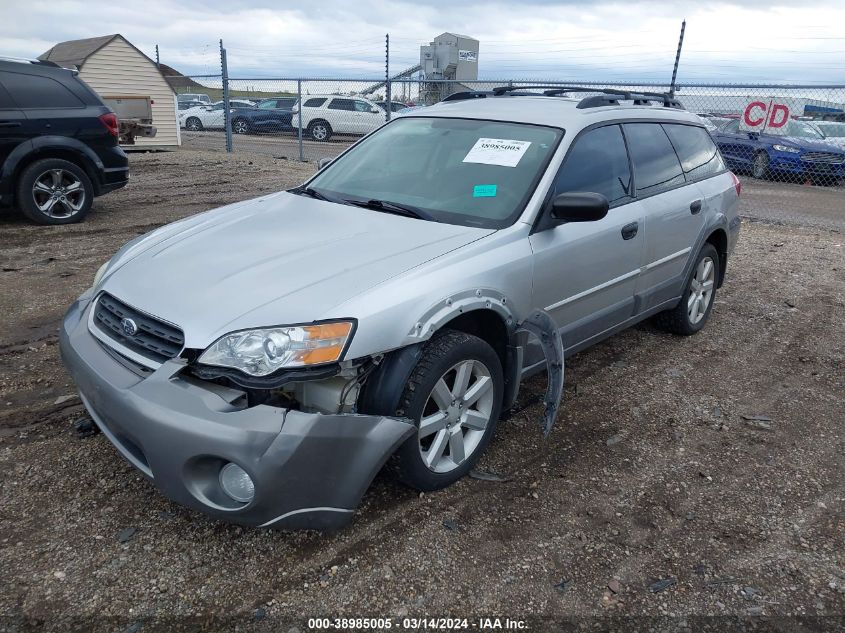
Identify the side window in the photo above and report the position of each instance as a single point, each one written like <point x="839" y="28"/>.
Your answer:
<point x="34" y="91"/>
<point x="217" y="106"/>
<point x="342" y="104"/>
<point x="656" y="166"/>
<point x="597" y="162"/>
<point x="697" y="151"/>
<point x="267" y="105"/>
<point x="731" y="127"/>
<point x="314" y="103"/>
<point x="363" y="106"/>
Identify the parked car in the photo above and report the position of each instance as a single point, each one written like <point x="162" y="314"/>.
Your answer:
<point x="325" y="115"/>
<point x="194" y="96"/>
<point x="209" y="116"/>
<point x="802" y="152"/>
<point x="389" y="307"/>
<point x="58" y="143"/>
<point x="833" y="132"/>
<point x="395" y="106"/>
<point x="268" y="115"/>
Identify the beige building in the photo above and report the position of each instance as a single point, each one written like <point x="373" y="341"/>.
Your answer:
<point x="114" y="68"/>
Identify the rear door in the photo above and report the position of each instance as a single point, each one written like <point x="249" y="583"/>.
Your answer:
<point x="736" y="145"/>
<point x="585" y="273"/>
<point x="341" y="115"/>
<point x="12" y="126"/>
<point x="672" y="203"/>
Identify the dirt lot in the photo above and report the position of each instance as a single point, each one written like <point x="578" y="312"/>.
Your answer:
<point x="654" y="470"/>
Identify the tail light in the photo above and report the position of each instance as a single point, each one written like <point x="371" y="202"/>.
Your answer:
<point x="109" y="120"/>
<point x="737" y="184"/>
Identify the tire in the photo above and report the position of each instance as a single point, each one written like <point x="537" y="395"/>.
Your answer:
<point x="54" y="191"/>
<point x="446" y="355"/>
<point x="240" y="126"/>
<point x="320" y="131"/>
<point x="193" y="124"/>
<point x="760" y="166"/>
<point x="680" y="319"/>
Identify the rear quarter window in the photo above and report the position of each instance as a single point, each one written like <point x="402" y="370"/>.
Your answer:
<point x="34" y="91"/>
<point x="656" y="166"/>
<point x="696" y="149"/>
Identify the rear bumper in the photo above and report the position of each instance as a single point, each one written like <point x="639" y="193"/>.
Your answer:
<point x="115" y="171"/>
<point x="310" y="470"/>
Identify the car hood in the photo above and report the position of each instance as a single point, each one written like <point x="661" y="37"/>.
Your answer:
<point x="276" y="260"/>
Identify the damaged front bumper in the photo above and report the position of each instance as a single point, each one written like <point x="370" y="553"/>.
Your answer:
<point x="309" y="470"/>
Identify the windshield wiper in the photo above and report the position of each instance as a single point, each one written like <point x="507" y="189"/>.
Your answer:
<point x="393" y="207"/>
<point x="311" y="193"/>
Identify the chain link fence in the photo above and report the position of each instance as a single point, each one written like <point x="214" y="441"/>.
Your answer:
<point x="786" y="142"/>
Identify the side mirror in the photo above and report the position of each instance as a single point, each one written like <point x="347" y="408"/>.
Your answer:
<point x="579" y="206"/>
<point x="322" y="163"/>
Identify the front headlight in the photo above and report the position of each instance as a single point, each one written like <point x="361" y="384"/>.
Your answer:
<point x="261" y="352"/>
<point x="787" y="148"/>
<point x="99" y="274"/>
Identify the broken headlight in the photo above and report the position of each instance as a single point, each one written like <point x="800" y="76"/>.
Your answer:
<point x="262" y="351"/>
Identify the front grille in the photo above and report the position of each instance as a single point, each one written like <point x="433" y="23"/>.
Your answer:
<point x="154" y="339"/>
<point x="823" y="157"/>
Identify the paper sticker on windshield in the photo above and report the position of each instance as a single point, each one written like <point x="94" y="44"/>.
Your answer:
<point x="497" y="151"/>
<point x="484" y="191"/>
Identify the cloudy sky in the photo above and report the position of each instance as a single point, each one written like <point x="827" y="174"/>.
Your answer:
<point x="752" y="41"/>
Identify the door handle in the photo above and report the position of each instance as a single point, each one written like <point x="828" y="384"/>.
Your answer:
<point x="630" y="230"/>
<point x="695" y="206"/>
<point x="10" y="123"/>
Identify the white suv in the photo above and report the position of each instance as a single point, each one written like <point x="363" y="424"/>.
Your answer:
<point x="324" y="115"/>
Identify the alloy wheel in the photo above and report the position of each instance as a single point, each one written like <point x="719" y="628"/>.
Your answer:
<point x="455" y="416"/>
<point x="701" y="290"/>
<point x="240" y="127"/>
<point x="319" y="132"/>
<point x="58" y="193"/>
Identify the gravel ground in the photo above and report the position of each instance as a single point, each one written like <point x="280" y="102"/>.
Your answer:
<point x="714" y="463"/>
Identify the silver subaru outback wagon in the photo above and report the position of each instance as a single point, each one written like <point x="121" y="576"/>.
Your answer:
<point x="261" y="362"/>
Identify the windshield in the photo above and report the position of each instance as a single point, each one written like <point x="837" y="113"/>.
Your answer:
<point x="459" y="171"/>
<point x="799" y="129"/>
<point x="834" y="130"/>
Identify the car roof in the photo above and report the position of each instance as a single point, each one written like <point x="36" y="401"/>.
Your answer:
<point x="333" y="97"/>
<point x="552" y="111"/>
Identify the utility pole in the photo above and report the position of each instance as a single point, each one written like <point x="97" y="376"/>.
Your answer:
<point x="677" y="59"/>
<point x="158" y="65"/>
<point x="387" y="74"/>
<point x="227" y="118"/>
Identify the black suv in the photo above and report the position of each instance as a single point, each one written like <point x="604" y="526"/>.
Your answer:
<point x="58" y="143"/>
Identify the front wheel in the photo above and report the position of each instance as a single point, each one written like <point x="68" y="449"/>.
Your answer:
<point x="454" y="396"/>
<point x="692" y="313"/>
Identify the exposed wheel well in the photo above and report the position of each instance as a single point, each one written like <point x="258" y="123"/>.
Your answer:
<point x="719" y="240"/>
<point x="486" y="325"/>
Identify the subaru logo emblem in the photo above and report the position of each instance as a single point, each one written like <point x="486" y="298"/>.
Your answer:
<point x="129" y="327"/>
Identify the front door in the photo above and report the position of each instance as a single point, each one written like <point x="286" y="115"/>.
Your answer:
<point x="585" y="273"/>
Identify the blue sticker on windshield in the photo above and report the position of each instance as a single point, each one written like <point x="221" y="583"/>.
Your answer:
<point x="484" y="191"/>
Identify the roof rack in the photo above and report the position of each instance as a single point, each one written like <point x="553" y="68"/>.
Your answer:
<point x="605" y="96"/>
<point x="24" y="60"/>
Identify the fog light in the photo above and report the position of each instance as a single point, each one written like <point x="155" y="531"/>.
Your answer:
<point x="236" y="483"/>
